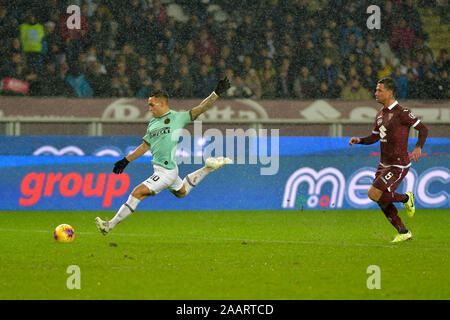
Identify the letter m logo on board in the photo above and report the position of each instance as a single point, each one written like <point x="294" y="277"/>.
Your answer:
<point x="315" y="181"/>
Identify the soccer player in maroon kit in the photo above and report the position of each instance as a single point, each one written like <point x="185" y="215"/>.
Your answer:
<point x="392" y="125"/>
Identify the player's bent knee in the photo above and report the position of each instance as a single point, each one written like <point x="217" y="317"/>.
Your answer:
<point x="374" y="194"/>
<point x="141" y="192"/>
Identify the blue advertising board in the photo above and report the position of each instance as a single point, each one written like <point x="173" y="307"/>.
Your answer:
<point x="307" y="174"/>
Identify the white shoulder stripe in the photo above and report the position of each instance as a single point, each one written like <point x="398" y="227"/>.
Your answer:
<point x="415" y="124"/>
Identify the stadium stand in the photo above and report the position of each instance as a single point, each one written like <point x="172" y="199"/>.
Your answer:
<point x="129" y="48"/>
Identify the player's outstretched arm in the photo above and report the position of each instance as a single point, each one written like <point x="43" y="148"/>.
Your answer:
<point x="374" y="137"/>
<point x="221" y="87"/>
<point x="120" y="165"/>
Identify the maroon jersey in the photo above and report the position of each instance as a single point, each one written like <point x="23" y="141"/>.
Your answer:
<point x="392" y="124"/>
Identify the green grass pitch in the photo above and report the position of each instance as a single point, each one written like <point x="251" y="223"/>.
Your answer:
<point x="222" y="255"/>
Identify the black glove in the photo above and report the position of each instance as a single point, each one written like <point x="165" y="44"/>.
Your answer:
<point x="222" y="86"/>
<point x="120" y="165"/>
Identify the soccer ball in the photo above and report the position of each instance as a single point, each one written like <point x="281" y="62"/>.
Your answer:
<point x="64" y="233"/>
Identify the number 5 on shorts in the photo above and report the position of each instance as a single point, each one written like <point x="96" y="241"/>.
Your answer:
<point x="388" y="175"/>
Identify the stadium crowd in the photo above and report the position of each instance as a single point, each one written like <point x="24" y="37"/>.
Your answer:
<point x="268" y="49"/>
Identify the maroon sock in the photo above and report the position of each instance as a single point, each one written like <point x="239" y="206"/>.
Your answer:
<point x="392" y="197"/>
<point x="391" y="213"/>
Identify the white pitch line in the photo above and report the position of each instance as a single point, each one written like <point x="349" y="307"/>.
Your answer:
<point x="240" y="239"/>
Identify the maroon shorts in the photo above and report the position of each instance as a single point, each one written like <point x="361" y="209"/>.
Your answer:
<point x="389" y="178"/>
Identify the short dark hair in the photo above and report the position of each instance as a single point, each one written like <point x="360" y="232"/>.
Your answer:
<point x="389" y="84"/>
<point x="161" y="94"/>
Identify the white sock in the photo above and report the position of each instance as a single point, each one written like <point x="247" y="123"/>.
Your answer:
<point x="125" y="210"/>
<point x="194" y="178"/>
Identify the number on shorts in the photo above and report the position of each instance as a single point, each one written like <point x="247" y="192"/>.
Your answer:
<point x="388" y="175"/>
<point x="154" y="177"/>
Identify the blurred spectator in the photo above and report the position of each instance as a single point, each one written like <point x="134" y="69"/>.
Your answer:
<point x="141" y="83"/>
<point x="304" y="84"/>
<point x="159" y="12"/>
<point x="97" y="79"/>
<point x="376" y="60"/>
<point x="359" y="50"/>
<point x="289" y="25"/>
<point x="351" y="28"/>
<point x="157" y="86"/>
<point x="309" y="56"/>
<point x="239" y="89"/>
<point x="127" y="32"/>
<point x="402" y="38"/>
<point x="401" y="81"/>
<point x="209" y="63"/>
<point x="131" y="57"/>
<point x="430" y="86"/>
<point x="51" y="85"/>
<point x="8" y="27"/>
<point x="8" y="30"/>
<point x="78" y="82"/>
<point x="215" y="29"/>
<point x="228" y="57"/>
<point x="247" y="65"/>
<point x="328" y="73"/>
<point x="169" y="41"/>
<point x="204" y="45"/>
<point x="324" y="92"/>
<point x="354" y="91"/>
<point x="352" y="73"/>
<point x="97" y="36"/>
<point x="108" y="59"/>
<point x="117" y="90"/>
<point x="370" y="44"/>
<point x="443" y="60"/>
<point x="267" y="67"/>
<point x="268" y="85"/>
<point x="331" y="50"/>
<point x="10" y="68"/>
<point x="246" y="32"/>
<point x="82" y="63"/>
<point x="414" y="88"/>
<point x="252" y="81"/>
<point x="221" y="66"/>
<point x="205" y="82"/>
<point x="301" y="13"/>
<point x="389" y="15"/>
<point x="186" y="83"/>
<point x="191" y="57"/>
<point x="349" y="63"/>
<point x="386" y="70"/>
<point x="348" y="46"/>
<point x="337" y="90"/>
<point x="369" y="78"/>
<point x="412" y="16"/>
<point x="53" y="42"/>
<point x="31" y="38"/>
<point x="335" y="34"/>
<point x="314" y="30"/>
<point x="284" y="89"/>
<point x="162" y="75"/>
<point x="443" y="86"/>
